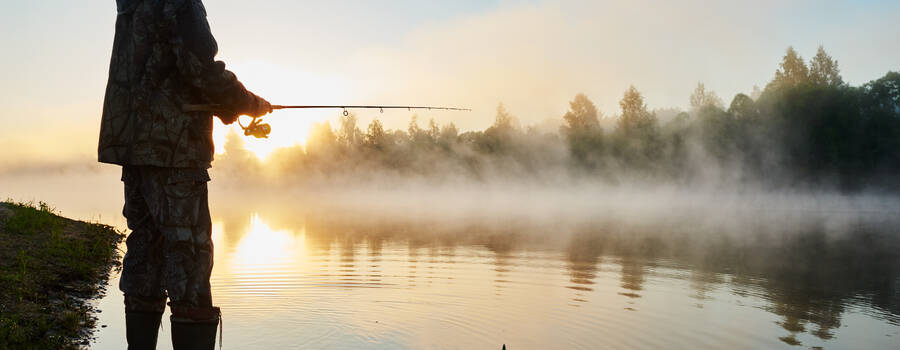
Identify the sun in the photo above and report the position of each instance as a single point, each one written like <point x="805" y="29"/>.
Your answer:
<point x="282" y="85"/>
<point x="287" y="131"/>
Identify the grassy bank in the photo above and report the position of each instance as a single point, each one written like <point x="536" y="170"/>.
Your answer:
<point x="49" y="267"/>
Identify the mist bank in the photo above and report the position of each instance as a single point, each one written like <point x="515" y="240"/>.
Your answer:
<point x="799" y="233"/>
<point x="97" y="194"/>
<point x="520" y="211"/>
<point x="806" y="129"/>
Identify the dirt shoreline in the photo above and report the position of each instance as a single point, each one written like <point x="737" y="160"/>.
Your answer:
<point x="51" y="268"/>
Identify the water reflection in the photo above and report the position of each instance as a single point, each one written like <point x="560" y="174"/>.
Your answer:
<point x="704" y="284"/>
<point x="263" y="246"/>
<point x="289" y="275"/>
<point x="810" y="279"/>
<point x="583" y="257"/>
<point x="326" y="281"/>
<point x="632" y="277"/>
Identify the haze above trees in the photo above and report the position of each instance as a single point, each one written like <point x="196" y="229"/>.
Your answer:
<point x="806" y="128"/>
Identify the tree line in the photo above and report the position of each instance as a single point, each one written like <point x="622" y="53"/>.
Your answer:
<point x="807" y="127"/>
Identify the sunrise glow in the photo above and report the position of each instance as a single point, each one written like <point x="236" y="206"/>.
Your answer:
<point x="283" y="85"/>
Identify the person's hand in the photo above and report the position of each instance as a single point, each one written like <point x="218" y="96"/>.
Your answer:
<point x="228" y="118"/>
<point x="261" y="108"/>
<point x="258" y="108"/>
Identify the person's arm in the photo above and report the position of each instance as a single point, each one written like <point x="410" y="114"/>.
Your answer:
<point x="195" y="50"/>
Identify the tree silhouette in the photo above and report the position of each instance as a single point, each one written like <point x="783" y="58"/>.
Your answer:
<point x="434" y="131"/>
<point x="582" y="115"/>
<point x="702" y="98"/>
<point x="582" y="131"/>
<point x="743" y="108"/>
<point x="375" y="136"/>
<point x="498" y="137"/>
<point x="823" y="70"/>
<point x="635" y="116"/>
<point x="349" y="136"/>
<point x="637" y="134"/>
<point x="792" y="71"/>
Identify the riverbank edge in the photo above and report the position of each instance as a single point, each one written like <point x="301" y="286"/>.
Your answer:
<point x="51" y="269"/>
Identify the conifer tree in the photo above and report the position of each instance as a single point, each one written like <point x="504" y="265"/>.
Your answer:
<point x="792" y="71"/>
<point x="823" y="70"/>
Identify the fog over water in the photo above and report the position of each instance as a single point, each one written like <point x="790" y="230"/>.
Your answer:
<point x="95" y="191"/>
<point x="419" y="264"/>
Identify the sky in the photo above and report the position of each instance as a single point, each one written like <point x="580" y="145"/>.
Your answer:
<point x="532" y="56"/>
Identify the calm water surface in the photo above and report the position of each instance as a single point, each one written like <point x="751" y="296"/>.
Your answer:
<point x="292" y="278"/>
<point x="312" y="281"/>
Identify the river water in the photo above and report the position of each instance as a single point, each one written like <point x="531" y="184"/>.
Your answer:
<point x="626" y="274"/>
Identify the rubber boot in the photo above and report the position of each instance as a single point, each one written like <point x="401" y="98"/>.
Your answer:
<point x="141" y="329"/>
<point x="191" y="334"/>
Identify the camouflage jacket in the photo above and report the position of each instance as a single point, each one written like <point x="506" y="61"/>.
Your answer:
<point x="163" y="57"/>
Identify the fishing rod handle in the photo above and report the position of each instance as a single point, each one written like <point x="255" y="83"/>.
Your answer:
<point x="212" y="108"/>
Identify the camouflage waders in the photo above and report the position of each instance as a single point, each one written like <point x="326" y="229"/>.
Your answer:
<point x="170" y="251"/>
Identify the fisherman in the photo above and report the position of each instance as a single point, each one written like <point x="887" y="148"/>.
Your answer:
<point x="162" y="58"/>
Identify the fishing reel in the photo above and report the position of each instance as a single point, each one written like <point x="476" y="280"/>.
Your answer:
<point x="256" y="128"/>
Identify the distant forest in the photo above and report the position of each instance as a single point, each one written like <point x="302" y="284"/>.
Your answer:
<point x="807" y="128"/>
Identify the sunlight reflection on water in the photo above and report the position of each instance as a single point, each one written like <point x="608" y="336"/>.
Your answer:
<point x="297" y="281"/>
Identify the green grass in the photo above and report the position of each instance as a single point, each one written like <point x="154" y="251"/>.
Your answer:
<point x="32" y="219"/>
<point x="47" y="265"/>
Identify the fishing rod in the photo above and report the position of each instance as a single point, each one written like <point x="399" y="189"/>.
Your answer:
<point x="258" y="129"/>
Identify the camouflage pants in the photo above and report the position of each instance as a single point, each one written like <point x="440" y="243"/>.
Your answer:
<point x="170" y="251"/>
